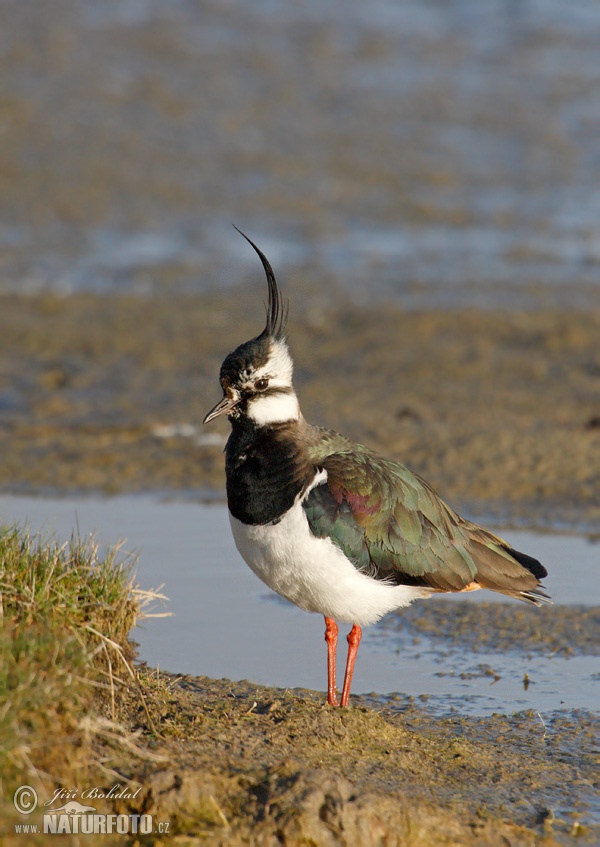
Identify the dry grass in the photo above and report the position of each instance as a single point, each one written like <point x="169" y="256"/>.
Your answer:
<point x="66" y="613"/>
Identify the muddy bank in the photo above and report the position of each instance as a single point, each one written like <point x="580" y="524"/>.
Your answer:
<point x="256" y="765"/>
<point x="499" y="411"/>
<point x="500" y="627"/>
<point x="217" y="762"/>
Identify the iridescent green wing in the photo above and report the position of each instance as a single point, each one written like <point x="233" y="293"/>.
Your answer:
<point x="391" y="524"/>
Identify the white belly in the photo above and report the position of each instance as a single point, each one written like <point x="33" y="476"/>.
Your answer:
<point x="314" y="573"/>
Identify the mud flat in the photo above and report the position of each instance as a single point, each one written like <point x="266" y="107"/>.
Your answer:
<point x="500" y="411"/>
<point x="247" y="764"/>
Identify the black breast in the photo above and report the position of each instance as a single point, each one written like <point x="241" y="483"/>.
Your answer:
<point x="266" y="471"/>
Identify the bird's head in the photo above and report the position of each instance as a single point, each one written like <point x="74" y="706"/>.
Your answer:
<point x="257" y="377"/>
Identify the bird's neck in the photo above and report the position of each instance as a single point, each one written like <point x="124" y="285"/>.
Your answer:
<point x="267" y="468"/>
<point x="276" y="407"/>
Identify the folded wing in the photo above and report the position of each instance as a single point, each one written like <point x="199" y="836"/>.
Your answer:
<point x="392" y="525"/>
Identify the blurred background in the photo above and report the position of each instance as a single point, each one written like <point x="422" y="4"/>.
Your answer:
<point x="434" y="153"/>
<point x="422" y="175"/>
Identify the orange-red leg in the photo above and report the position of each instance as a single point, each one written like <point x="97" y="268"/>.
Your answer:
<point x="353" y="639"/>
<point x="331" y="637"/>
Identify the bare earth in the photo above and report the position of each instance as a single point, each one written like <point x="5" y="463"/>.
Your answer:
<point x="499" y="411"/>
<point x="248" y="764"/>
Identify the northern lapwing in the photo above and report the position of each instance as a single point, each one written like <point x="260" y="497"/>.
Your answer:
<point x="331" y="525"/>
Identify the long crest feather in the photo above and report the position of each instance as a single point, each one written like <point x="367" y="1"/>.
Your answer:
<point x="277" y="308"/>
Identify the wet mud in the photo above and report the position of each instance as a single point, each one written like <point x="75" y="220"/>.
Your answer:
<point x="497" y="410"/>
<point x="255" y="765"/>
<point x="443" y="154"/>
<point x="502" y="627"/>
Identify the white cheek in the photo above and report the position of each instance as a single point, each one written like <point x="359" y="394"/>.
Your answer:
<point x="276" y="408"/>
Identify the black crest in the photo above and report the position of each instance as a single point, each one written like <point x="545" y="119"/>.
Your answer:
<point x="277" y="309"/>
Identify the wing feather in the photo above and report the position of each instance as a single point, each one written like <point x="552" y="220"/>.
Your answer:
<point x="392" y="524"/>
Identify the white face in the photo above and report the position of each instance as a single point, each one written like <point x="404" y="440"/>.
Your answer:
<point x="274" y="406"/>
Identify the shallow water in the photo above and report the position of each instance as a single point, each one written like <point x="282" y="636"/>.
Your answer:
<point x="225" y="623"/>
<point x="440" y="152"/>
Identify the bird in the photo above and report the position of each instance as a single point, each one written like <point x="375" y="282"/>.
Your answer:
<point x="331" y="525"/>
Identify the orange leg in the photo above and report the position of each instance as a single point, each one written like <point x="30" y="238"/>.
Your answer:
<point x="353" y="639"/>
<point x="331" y="637"/>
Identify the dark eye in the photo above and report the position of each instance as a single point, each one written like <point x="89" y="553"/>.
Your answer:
<point x="261" y="384"/>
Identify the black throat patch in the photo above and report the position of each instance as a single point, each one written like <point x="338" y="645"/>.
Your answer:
<point x="266" y="470"/>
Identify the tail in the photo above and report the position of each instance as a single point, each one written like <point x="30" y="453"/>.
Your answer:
<point x="532" y="565"/>
<point x="502" y="568"/>
<point x="535" y="595"/>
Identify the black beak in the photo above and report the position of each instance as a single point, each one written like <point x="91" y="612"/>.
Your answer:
<point x="223" y="407"/>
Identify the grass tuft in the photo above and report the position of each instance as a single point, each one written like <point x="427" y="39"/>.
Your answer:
<point x="65" y="616"/>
